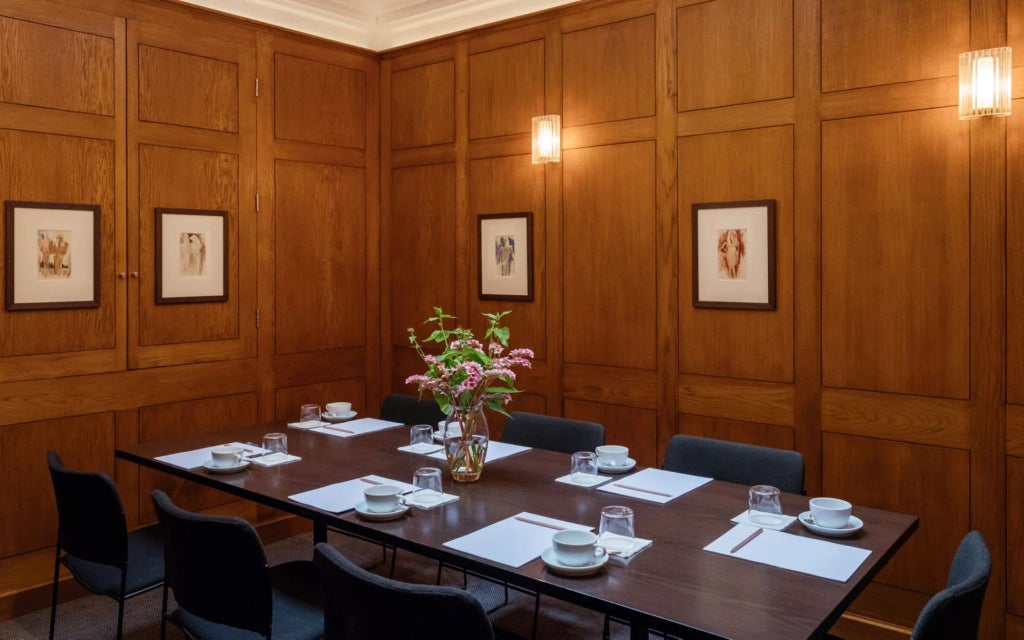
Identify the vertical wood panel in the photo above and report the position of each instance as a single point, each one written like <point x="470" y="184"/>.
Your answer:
<point x="422" y="246"/>
<point x="872" y="42"/>
<point x="423" y="106"/>
<point x="1015" y="255"/>
<point x="608" y="72"/>
<point x="628" y="426"/>
<point x="735" y="51"/>
<point x="1015" y="545"/>
<point x="185" y="89"/>
<point x="319" y="103"/>
<point x="320" y="256"/>
<point x="506" y="89"/>
<point x="712" y="169"/>
<point x="895" y="240"/>
<point x="609" y="251"/>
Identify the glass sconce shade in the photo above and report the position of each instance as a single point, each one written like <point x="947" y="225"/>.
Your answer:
<point x="985" y="83"/>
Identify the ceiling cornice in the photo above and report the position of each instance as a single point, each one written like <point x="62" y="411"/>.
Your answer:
<point x="379" y="25"/>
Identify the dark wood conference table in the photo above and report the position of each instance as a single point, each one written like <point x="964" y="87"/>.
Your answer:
<point x="673" y="585"/>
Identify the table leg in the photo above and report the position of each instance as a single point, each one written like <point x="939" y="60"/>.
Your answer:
<point x="638" y="630"/>
<point x="319" y="531"/>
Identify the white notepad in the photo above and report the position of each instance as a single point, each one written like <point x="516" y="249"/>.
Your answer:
<point x="356" y="427"/>
<point x="342" y="496"/>
<point x="655" y="485"/>
<point x="796" y="553"/>
<point x="513" y="541"/>
<point x="195" y="458"/>
<point x="495" y="451"/>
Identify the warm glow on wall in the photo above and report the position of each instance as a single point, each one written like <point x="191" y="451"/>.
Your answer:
<point x="985" y="83"/>
<point x="547" y="139"/>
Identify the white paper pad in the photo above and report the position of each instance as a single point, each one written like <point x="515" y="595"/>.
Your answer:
<point x="308" y="424"/>
<point x="422" y="449"/>
<point x="196" y="457"/>
<point x="662" y="486"/>
<point x="274" y="459"/>
<point x="744" y="518"/>
<point x="512" y="542"/>
<point x="343" y="496"/>
<point x="495" y="451"/>
<point x="796" y="553"/>
<point x="585" y="480"/>
<point x="356" y="427"/>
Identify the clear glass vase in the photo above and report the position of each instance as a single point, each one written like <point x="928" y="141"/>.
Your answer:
<point x="465" y="443"/>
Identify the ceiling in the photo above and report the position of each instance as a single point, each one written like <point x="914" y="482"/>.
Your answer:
<point x="378" y="24"/>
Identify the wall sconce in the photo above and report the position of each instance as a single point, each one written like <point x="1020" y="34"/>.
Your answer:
<point x="985" y="83"/>
<point x="547" y="139"/>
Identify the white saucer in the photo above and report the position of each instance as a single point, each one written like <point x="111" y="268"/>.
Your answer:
<point x="438" y="437"/>
<point x="853" y="526"/>
<point x="235" y="468"/>
<point x="621" y="468"/>
<point x="341" y="417"/>
<point x="549" y="558"/>
<point x="376" y="516"/>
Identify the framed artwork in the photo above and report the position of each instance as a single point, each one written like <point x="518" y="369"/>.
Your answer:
<point x="52" y="255"/>
<point x="734" y="255"/>
<point x="506" y="256"/>
<point x="191" y="256"/>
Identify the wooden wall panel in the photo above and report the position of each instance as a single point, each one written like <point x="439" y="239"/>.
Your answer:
<point x="28" y="513"/>
<point x="608" y="247"/>
<point x="421" y="246"/>
<point x="1015" y="253"/>
<point x="319" y="103"/>
<point x="895" y="246"/>
<point x="320" y="256"/>
<point x="919" y="419"/>
<point x="189" y="90"/>
<point x="734" y="51"/>
<point x="1015" y="545"/>
<point x="628" y="426"/>
<point x="54" y="168"/>
<point x="186" y="179"/>
<point x="505" y="185"/>
<point x="58" y="68"/>
<point x="873" y="42"/>
<point x="608" y="72"/>
<point x="423" y="106"/>
<point x="182" y="420"/>
<point x="289" y="399"/>
<point x="711" y="169"/>
<point x="762" y="435"/>
<point x="929" y="482"/>
<point x="506" y="89"/>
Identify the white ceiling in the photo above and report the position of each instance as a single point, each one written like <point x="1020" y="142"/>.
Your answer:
<point x="378" y="24"/>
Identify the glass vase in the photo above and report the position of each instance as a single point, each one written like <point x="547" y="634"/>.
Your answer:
<point x="465" y="443"/>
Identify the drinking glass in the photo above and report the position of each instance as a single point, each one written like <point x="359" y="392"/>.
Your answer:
<point x="584" y="467"/>
<point x="616" y="532"/>
<point x="275" y="443"/>
<point x="765" y="505"/>
<point x="427" y="481"/>
<point x="421" y="436"/>
<point x="309" y="412"/>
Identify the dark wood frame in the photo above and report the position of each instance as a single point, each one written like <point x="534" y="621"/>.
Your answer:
<point x="158" y="252"/>
<point x="710" y="206"/>
<point x="9" y="211"/>
<point x="528" y="216"/>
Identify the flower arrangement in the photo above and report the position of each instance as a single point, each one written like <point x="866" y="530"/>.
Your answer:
<point x="466" y="374"/>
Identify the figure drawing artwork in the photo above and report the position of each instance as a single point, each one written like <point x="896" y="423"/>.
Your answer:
<point x="734" y="255"/>
<point x="732" y="264"/>
<point x="192" y="253"/>
<point x="505" y="242"/>
<point x="505" y="255"/>
<point x="54" y="254"/>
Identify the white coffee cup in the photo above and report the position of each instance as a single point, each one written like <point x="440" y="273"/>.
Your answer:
<point x="338" y="408"/>
<point x="576" y="548"/>
<point x="612" y="455"/>
<point x="226" y="456"/>
<point x="831" y="513"/>
<point x="383" y="498"/>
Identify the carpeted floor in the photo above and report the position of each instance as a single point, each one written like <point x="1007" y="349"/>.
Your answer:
<point x="95" y="618"/>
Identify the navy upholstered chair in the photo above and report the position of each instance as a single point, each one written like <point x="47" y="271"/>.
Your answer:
<point x="225" y="587"/>
<point x="364" y="606"/>
<point x="954" y="612"/>
<point x="554" y="434"/>
<point x="398" y="407"/>
<point x="736" y="462"/>
<point x="94" y="543"/>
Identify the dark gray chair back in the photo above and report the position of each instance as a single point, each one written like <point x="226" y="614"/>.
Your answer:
<point x="90" y="514"/>
<point x="736" y="462"/>
<point x="954" y="612"/>
<point x="411" y="410"/>
<point x="360" y="605"/>
<point x="554" y="434"/>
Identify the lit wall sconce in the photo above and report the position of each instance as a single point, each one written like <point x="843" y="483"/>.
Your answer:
<point x="547" y="139"/>
<point x="985" y="83"/>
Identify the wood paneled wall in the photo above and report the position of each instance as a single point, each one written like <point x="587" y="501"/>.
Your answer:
<point x="139" y="105"/>
<point x="893" y="359"/>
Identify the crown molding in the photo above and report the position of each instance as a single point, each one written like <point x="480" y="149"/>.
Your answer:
<point x="378" y="25"/>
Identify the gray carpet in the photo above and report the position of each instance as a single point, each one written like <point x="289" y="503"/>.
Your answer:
<point x="95" y="618"/>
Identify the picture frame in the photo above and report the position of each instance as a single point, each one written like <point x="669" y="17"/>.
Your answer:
<point x="51" y="255"/>
<point x="191" y="256"/>
<point x="506" y="256"/>
<point x="734" y="255"/>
